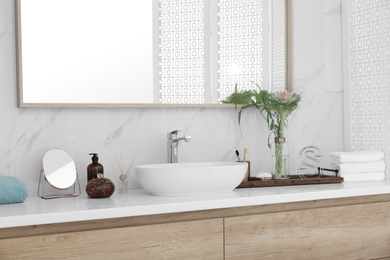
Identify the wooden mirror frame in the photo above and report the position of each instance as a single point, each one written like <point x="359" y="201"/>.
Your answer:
<point x="288" y="69"/>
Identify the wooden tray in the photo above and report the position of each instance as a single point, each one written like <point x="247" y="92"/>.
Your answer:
<point x="294" y="180"/>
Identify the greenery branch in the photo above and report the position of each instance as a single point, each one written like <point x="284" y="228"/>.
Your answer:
<point x="275" y="107"/>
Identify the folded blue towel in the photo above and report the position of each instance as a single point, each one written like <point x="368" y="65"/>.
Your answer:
<point x="12" y="190"/>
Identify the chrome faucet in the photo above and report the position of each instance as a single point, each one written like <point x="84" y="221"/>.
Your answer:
<point x="173" y="143"/>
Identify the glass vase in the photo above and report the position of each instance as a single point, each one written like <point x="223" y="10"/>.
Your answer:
<point x="122" y="184"/>
<point x="280" y="157"/>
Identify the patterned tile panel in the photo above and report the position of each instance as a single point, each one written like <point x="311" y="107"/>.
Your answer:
<point x="369" y="50"/>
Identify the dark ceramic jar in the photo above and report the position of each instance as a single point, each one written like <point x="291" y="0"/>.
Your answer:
<point x="100" y="187"/>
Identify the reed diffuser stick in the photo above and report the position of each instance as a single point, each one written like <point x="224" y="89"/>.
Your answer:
<point x="122" y="176"/>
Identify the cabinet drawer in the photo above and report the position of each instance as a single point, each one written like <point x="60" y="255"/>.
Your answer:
<point x="348" y="232"/>
<point x="201" y="239"/>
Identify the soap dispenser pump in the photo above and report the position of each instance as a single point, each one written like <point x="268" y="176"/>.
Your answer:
<point x="94" y="168"/>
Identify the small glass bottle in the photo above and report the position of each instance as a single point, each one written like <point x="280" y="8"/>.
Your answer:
<point x="122" y="185"/>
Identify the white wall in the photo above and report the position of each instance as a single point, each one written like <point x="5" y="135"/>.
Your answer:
<point x="140" y="134"/>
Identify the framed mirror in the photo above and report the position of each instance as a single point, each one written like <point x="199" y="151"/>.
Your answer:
<point x="155" y="53"/>
<point x="60" y="174"/>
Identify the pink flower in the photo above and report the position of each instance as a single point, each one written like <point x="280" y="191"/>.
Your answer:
<point x="283" y="95"/>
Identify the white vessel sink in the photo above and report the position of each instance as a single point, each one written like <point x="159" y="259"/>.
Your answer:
<point x="177" y="179"/>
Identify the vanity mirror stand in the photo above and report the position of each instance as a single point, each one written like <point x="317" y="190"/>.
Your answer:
<point x="58" y="177"/>
<point x="45" y="189"/>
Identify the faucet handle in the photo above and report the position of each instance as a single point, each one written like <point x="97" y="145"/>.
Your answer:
<point x="173" y="134"/>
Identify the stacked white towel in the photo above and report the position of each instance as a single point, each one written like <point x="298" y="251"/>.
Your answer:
<point x="360" y="165"/>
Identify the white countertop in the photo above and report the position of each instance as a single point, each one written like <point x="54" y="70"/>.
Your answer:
<point x="36" y="211"/>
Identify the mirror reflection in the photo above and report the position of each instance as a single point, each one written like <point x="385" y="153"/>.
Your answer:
<point x="163" y="52"/>
<point x="59" y="169"/>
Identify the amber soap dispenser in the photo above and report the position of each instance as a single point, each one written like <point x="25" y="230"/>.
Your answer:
<point x="94" y="168"/>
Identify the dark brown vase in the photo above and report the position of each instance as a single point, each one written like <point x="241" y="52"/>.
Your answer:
<point x="100" y="187"/>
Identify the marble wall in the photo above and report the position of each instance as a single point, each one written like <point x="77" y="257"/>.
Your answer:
<point x="140" y="134"/>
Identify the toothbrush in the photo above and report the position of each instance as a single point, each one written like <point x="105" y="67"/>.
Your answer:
<point x="245" y="152"/>
<point x="238" y="156"/>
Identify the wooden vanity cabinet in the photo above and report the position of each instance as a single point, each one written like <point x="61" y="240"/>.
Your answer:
<point x="346" y="228"/>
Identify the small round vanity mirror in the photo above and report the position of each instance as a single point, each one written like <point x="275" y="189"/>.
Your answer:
<point x="59" y="169"/>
